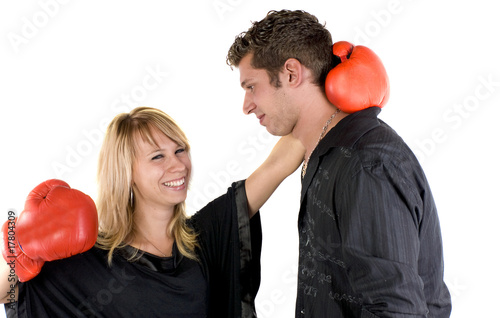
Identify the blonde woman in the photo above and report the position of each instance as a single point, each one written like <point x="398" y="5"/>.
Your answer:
<point x="150" y="259"/>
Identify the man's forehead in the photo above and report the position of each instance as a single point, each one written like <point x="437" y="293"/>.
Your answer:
<point x="245" y="66"/>
<point x="247" y="72"/>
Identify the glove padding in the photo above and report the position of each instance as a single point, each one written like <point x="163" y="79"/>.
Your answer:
<point x="57" y="222"/>
<point x="359" y="81"/>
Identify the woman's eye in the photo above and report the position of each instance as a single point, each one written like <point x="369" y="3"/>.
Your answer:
<point x="181" y="150"/>
<point x="157" y="157"/>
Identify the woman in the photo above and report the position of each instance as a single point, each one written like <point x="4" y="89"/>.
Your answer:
<point x="150" y="258"/>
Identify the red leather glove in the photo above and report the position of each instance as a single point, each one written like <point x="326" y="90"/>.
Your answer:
<point x="24" y="267"/>
<point x="57" y="222"/>
<point x="359" y="81"/>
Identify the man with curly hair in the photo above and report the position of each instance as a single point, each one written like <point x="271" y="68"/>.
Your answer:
<point x="369" y="235"/>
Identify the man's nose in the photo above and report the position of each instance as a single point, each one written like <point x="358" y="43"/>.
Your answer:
<point x="248" y="104"/>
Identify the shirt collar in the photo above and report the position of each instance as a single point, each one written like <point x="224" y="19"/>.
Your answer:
<point x="345" y="134"/>
<point x="342" y="135"/>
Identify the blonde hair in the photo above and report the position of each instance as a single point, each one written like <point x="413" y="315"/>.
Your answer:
<point x="115" y="202"/>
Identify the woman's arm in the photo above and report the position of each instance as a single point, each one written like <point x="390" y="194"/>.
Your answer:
<point x="285" y="158"/>
<point x="8" y="283"/>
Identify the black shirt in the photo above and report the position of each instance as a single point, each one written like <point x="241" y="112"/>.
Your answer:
<point x="222" y="284"/>
<point x="369" y="234"/>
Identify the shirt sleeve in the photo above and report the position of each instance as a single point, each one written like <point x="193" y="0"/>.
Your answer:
<point x="230" y="247"/>
<point x="379" y="223"/>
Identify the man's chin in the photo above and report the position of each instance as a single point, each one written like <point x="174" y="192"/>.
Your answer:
<point x="277" y="132"/>
<point x="272" y="131"/>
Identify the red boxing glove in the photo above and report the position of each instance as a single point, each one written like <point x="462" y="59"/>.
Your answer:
<point x="19" y="263"/>
<point x="359" y="81"/>
<point x="57" y="222"/>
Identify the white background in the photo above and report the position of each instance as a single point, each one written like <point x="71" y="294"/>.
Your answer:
<point x="68" y="67"/>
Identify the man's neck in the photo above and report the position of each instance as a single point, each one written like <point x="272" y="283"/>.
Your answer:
<point x="313" y="119"/>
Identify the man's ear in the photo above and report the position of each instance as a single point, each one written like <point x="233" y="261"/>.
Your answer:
<point x="293" y="71"/>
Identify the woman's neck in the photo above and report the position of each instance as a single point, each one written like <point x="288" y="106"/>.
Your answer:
<point x="150" y="232"/>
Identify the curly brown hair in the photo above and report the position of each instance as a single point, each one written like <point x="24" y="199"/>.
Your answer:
<point x="282" y="35"/>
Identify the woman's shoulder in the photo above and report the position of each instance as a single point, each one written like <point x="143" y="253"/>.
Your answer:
<point x="78" y="263"/>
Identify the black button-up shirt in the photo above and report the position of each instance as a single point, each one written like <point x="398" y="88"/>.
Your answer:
<point x="369" y="234"/>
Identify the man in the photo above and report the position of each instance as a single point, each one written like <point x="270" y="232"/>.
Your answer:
<point x="369" y="234"/>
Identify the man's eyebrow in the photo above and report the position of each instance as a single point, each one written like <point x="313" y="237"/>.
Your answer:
<point x="247" y="81"/>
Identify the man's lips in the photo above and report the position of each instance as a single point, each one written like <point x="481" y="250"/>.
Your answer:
<point x="261" y="118"/>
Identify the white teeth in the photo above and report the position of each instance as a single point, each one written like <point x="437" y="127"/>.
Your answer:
<point x="175" y="183"/>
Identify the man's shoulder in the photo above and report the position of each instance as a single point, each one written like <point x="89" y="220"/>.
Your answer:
<point x="380" y="146"/>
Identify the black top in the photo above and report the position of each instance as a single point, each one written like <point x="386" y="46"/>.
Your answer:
<point x="222" y="284"/>
<point x="369" y="234"/>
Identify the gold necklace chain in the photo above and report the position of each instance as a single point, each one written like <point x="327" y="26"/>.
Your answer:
<point x="325" y="127"/>
<point x="164" y="255"/>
